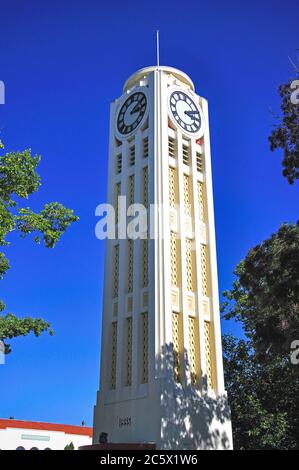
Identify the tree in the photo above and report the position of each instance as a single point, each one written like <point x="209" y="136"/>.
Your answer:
<point x="70" y="446"/>
<point x="286" y="133"/>
<point x="263" y="386"/>
<point x="18" y="180"/>
<point x="262" y="396"/>
<point x="265" y="294"/>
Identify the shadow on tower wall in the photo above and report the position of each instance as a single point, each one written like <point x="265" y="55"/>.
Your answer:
<point x="192" y="417"/>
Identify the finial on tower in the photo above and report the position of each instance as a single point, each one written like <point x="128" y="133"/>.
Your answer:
<point x="158" y="48"/>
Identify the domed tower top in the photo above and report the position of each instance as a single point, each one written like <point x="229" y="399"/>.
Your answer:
<point x="142" y="73"/>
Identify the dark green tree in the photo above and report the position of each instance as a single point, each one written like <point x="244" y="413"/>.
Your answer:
<point x="262" y="397"/>
<point x="70" y="446"/>
<point x="286" y="133"/>
<point x="265" y="293"/>
<point x="18" y="180"/>
<point x="263" y="385"/>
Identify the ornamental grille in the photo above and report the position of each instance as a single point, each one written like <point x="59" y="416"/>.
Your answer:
<point x="187" y="197"/>
<point x="145" y="147"/>
<point x="115" y="270"/>
<point x="113" y="354"/>
<point x="130" y="264"/>
<point x="118" y="163"/>
<point x="128" y="377"/>
<point x="144" y="263"/>
<point x="144" y="347"/>
<point x="174" y="259"/>
<point x="132" y="155"/>
<point x="186" y="154"/>
<point x="176" y="347"/>
<point x="208" y="353"/>
<point x="201" y="204"/>
<point x="131" y="190"/>
<point x="189" y="265"/>
<point x="193" y="347"/>
<point x="172" y="187"/>
<point x="171" y="147"/>
<point x="145" y="186"/>
<point x="204" y="271"/>
<point x="199" y="162"/>
<point x="116" y="205"/>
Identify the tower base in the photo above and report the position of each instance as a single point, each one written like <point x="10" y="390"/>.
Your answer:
<point x="120" y="446"/>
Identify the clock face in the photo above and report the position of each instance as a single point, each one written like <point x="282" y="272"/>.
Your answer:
<point x="185" y="112"/>
<point x="131" y="113"/>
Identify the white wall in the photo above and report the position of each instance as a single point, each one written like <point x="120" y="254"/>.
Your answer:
<point x="11" y="438"/>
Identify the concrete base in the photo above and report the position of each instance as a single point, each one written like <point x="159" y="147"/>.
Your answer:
<point x="119" y="446"/>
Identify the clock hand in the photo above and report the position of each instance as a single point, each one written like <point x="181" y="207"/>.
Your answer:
<point x="191" y="113"/>
<point x="136" y="108"/>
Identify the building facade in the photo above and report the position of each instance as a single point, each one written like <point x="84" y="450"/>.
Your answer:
<point x="161" y="377"/>
<point x="32" y="435"/>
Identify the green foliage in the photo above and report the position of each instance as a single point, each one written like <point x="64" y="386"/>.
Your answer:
<point x="265" y="294"/>
<point x="70" y="446"/>
<point x="51" y="222"/>
<point x="286" y="133"/>
<point x="262" y="397"/>
<point x="18" y="175"/>
<point x="11" y="327"/>
<point x="18" y="180"/>
<point x="262" y="384"/>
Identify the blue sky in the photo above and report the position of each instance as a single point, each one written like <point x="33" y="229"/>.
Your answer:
<point x="63" y="63"/>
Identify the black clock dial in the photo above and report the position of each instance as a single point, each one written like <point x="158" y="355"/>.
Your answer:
<point x="185" y="112"/>
<point x="131" y="113"/>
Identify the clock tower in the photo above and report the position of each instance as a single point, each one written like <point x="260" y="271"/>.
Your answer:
<point x="161" y="376"/>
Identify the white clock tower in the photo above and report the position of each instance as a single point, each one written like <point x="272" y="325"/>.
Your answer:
<point x="161" y="360"/>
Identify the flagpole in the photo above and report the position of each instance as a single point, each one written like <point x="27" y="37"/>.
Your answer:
<point x="158" y="48"/>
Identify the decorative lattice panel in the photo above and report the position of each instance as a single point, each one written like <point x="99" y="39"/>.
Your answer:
<point x="129" y="342"/>
<point x="132" y="155"/>
<point x="130" y="264"/>
<point x="145" y="147"/>
<point x="204" y="271"/>
<point x="113" y="355"/>
<point x="172" y="187"/>
<point x="177" y="372"/>
<point x="118" y="163"/>
<point x="144" y="347"/>
<point x="171" y="147"/>
<point x="115" y="270"/>
<point x="199" y="162"/>
<point x="201" y="201"/>
<point x="187" y="195"/>
<point x="174" y="259"/>
<point x="131" y="190"/>
<point x="208" y="353"/>
<point x="145" y="186"/>
<point x="193" y="349"/>
<point x="144" y="263"/>
<point x="186" y="153"/>
<point x="189" y="266"/>
<point x="116" y="205"/>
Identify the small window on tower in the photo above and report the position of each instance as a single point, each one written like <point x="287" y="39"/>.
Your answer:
<point x="118" y="163"/>
<point x="199" y="162"/>
<point x="171" y="147"/>
<point x="186" y="152"/>
<point x="132" y="155"/>
<point x="117" y="142"/>
<point x="145" y="147"/>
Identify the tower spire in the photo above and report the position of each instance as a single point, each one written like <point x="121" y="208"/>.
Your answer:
<point x="158" y="48"/>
